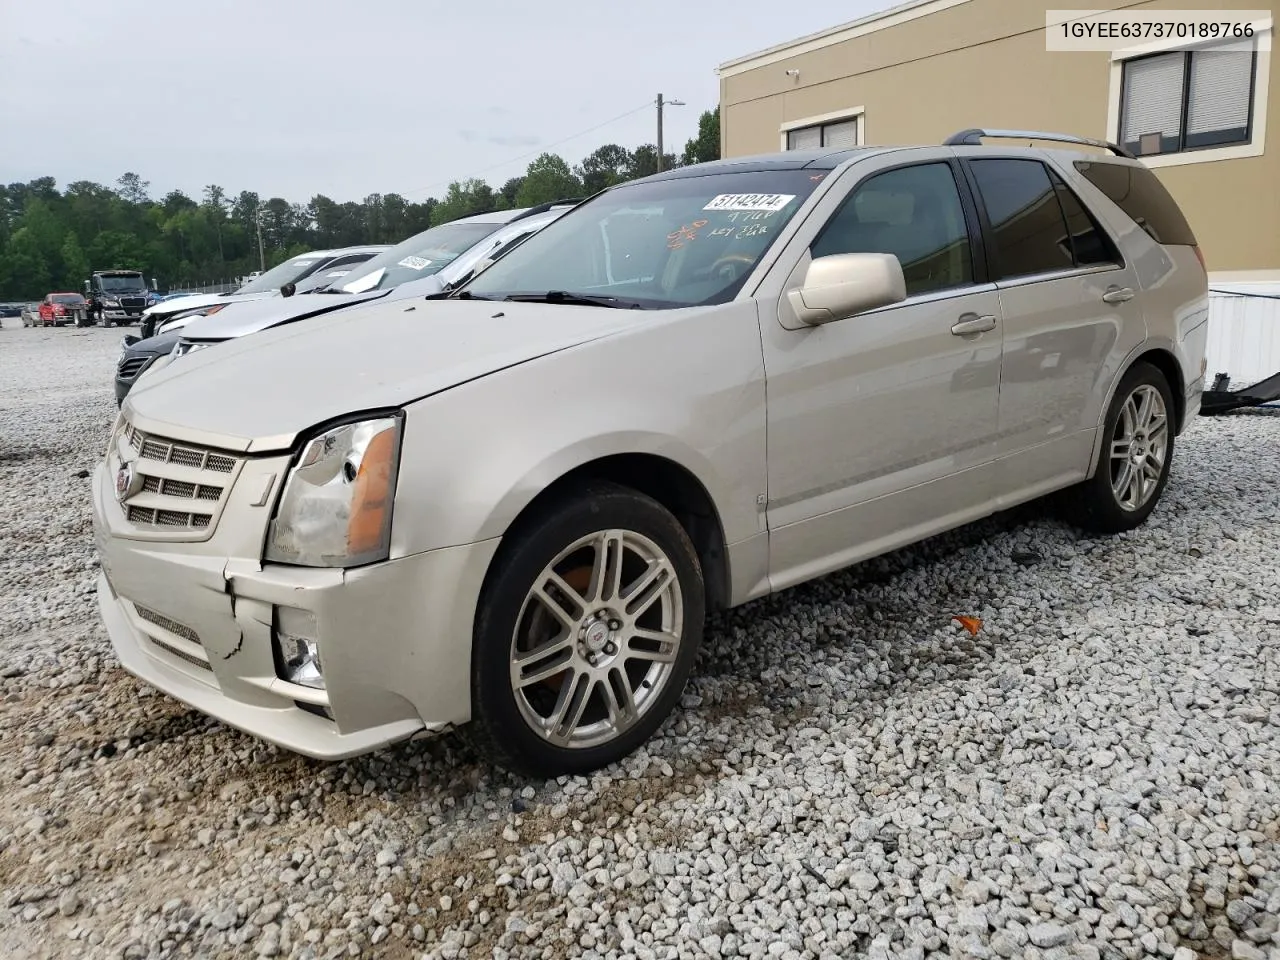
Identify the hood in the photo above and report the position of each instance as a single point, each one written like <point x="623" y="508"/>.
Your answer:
<point x="159" y="344"/>
<point x="202" y="300"/>
<point x="258" y="393"/>
<point x="240" y="319"/>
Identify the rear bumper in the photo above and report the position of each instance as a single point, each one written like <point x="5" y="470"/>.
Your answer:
<point x="1191" y="404"/>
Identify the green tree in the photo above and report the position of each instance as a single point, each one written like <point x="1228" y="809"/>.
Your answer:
<point x="24" y="272"/>
<point x="604" y="167"/>
<point x="706" y="145"/>
<point x="548" y="178"/>
<point x="133" y="188"/>
<point x="643" y="162"/>
<point x="465" y="198"/>
<point x="116" y="249"/>
<point x="215" y="204"/>
<point x="75" y="265"/>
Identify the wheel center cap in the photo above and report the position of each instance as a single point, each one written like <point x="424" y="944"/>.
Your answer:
<point x="597" y="636"/>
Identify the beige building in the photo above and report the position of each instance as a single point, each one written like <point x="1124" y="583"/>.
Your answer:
<point x="924" y="70"/>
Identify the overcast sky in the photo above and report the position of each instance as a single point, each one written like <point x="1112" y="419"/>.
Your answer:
<point x="350" y="97"/>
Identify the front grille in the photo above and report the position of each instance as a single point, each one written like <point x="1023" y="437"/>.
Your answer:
<point x="150" y="516"/>
<point x="177" y="486"/>
<point x="180" y="488"/>
<point x="130" y="367"/>
<point x="175" y="633"/>
<point x="181" y="654"/>
<point x="165" y="623"/>
<point x="133" y="303"/>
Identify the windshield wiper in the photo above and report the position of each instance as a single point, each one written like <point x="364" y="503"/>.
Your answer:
<point x="577" y="299"/>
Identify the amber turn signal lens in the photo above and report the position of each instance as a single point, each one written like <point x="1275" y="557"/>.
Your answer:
<point x="373" y="493"/>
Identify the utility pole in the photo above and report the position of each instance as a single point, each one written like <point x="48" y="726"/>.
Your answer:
<point x="660" y="104"/>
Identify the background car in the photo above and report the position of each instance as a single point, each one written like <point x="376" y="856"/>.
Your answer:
<point x="294" y="270"/>
<point x="31" y="315"/>
<point x="457" y="249"/>
<point x="59" y="308"/>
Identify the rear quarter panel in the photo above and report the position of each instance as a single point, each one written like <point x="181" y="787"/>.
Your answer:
<point x="1174" y="292"/>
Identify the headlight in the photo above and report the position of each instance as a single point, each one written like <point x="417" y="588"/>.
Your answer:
<point x="336" y="507"/>
<point x="116" y="427"/>
<point x="111" y="302"/>
<point x="184" y="347"/>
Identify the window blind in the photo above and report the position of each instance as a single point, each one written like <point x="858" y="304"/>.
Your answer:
<point x="1153" y="96"/>
<point x="807" y="138"/>
<point x="1218" y="98"/>
<point x="841" y="136"/>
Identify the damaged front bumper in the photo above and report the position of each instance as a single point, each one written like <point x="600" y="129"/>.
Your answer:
<point x="197" y="619"/>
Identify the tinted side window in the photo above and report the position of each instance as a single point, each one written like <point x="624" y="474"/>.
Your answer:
<point x="912" y="212"/>
<point x="1026" y="219"/>
<point x="1089" y="241"/>
<point x="1139" y="193"/>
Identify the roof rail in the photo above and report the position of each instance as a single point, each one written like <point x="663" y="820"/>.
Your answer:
<point x="973" y="138"/>
<point x="544" y="207"/>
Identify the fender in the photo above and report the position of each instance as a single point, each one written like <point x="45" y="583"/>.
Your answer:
<point x="1151" y="343"/>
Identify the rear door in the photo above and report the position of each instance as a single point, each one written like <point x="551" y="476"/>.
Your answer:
<point x="1071" y="316"/>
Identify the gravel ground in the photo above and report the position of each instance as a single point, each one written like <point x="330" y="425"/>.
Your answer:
<point x="1095" y="773"/>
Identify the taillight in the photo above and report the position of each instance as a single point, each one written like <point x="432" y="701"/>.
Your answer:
<point x="1200" y="257"/>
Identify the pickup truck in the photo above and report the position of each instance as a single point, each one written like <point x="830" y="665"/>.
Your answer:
<point x="59" y="308"/>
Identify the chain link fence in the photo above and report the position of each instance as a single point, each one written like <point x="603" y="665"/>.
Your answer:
<point x="221" y="286"/>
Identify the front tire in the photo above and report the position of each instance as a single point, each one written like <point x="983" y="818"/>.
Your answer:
<point x="1137" y="453"/>
<point x="586" y="631"/>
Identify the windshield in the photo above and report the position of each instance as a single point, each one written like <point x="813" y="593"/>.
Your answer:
<point x="662" y="244"/>
<point x="67" y="298"/>
<point x="120" y="283"/>
<point x="420" y="256"/>
<point x="291" y="271"/>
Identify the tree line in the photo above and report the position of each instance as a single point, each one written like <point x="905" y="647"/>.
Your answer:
<point x="52" y="240"/>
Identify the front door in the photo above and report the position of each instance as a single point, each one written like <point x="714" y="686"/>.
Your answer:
<point x="880" y="425"/>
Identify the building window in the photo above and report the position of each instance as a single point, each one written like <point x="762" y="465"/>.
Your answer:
<point x="837" y="135"/>
<point x="1188" y="99"/>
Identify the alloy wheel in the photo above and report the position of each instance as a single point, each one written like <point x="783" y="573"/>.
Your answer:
<point x="1139" y="448"/>
<point x="597" y="638"/>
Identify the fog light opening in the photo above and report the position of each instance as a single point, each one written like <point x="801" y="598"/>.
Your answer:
<point x="297" y="651"/>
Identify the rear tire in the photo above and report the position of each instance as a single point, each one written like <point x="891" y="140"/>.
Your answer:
<point x="585" y="634"/>
<point x="1137" y="454"/>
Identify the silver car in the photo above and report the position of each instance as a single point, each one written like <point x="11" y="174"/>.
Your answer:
<point x="512" y="508"/>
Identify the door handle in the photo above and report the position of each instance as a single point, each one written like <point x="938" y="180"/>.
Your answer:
<point x="1117" y="295"/>
<point x="971" y="323"/>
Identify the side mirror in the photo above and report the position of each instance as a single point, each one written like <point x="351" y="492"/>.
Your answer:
<point x="86" y="286"/>
<point x="840" y="285"/>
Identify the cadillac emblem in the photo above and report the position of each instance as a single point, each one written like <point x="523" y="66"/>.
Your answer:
<point x="124" y="482"/>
